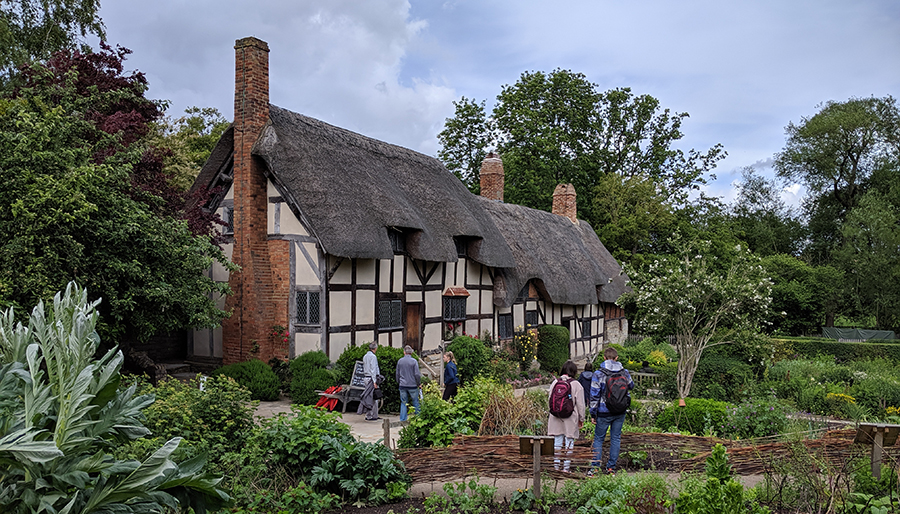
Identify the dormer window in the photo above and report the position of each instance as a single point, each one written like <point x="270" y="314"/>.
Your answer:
<point x="398" y="241"/>
<point x="461" y="247"/>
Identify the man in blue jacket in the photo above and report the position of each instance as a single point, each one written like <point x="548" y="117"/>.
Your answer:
<point x="603" y="418"/>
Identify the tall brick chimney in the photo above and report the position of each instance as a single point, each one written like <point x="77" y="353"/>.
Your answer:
<point x="247" y="333"/>
<point x="564" y="202"/>
<point x="492" y="177"/>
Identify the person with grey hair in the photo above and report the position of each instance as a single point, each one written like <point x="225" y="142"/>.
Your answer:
<point x="367" y="403"/>
<point x="409" y="378"/>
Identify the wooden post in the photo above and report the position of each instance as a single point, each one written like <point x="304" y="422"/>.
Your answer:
<point x="876" y="452"/>
<point x="386" y="423"/>
<point x="536" y="445"/>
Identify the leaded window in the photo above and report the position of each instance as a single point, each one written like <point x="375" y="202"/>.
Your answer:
<point x="455" y="308"/>
<point x="531" y="318"/>
<point x="228" y="218"/>
<point x="389" y="314"/>
<point x="586" y="328"/>
<point x="308" y="307"/>
<point x="398" y="241"/>
<point x="505" y="326"/>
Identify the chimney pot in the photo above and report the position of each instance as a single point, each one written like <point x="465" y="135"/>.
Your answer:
<point x="564" y="203"/>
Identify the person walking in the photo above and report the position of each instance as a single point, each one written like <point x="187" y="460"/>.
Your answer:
<point x="367" y="403"/>
<point x="609" y="417"/>
<point x="451" y="378"/>
<point x="409" y="378"/>
<point x="565" y="429"/>
<point x="585" y="380"/>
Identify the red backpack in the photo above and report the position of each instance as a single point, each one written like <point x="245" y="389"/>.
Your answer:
<point x="562" y="405"/>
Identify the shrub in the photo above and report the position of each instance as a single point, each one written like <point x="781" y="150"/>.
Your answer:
<point x="255" y="376"/>
<point x="720" y="493"/>
<point x="723" y="378"/>
<point x="308" y="374"/>
<point x="553" y="350"/>
<point x="215" y="419"/>
<point x="698" y="416"/>
<point x="63" y="414"/>
<point x="759" y="417"/>
<point x="439" y="421"/>
<point x="472" y="357"/>
<point x="387" y="363"/>
<point x="642" y="493"/>
<point x="526" y="344"/>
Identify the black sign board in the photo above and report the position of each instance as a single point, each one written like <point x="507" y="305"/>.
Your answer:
<point x="359" y="378"/>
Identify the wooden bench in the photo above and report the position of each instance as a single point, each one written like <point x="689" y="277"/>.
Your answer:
<point x="351" y="392"/>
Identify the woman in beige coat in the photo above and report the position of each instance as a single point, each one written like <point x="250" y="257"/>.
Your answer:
<point x="565" y="430"/>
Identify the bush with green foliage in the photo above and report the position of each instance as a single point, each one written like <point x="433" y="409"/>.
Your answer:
<point x="439" y="422"/>
<point x="757" y="417"/>
<point x="308" y="375"/>
<point x="841" y="352"/>
<point x="643" y="493"/>
<point x="553" y="350"/>
<point x="213" y="415"/>
<point x="256" y="376"/>
<point x="719" y="494"/>
<point x="63" y="414"/>
<point x="313" y="446"/>
<point x="698" y="416"/>
<point x="722" y="377"/>
<point x="472" y="357"/>
<point x="387" y="363"/>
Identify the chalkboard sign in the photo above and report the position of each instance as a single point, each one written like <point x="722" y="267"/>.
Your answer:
<point x="359" y="377"/>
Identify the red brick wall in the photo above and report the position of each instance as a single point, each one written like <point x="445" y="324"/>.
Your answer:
<point x="564" y="202"/>
<point x="247" y="333"/>
<point x="492" y="177"/>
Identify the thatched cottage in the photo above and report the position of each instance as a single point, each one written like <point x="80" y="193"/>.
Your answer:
<point x="342" y="239"/>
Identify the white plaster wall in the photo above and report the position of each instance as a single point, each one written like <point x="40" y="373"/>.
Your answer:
<point x="304" y="273"/>
<point x="474" y="269"/>
<point x="306" y="343"/>
<point x="230" y="194"/>
<point x="384" y="339"/>
<point x="399" y="266"/>
<point x="344" y="273"/>
<point x="364" y="337"/>
<point x="487" y="302"/>
<point x="365" y="271"/>
<point x="414" y="296"/>
<point x="384" y="276"/>
<point x="339" y="307"/>
<point x="432" y="337"/>
<point x="365" y="308"/>
<point x="434" y="304"/>
<point x="337" y="344"/>
<point x="289" y="223"/>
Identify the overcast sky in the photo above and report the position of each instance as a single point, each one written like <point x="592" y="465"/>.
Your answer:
<point x="391" y="69"/>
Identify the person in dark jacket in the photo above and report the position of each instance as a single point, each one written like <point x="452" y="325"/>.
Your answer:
<point x="585" y="380"/>
<point x="451" y="379"/>
<point x="604" y="419"/>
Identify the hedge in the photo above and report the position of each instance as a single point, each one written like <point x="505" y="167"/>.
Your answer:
<point x="553" y="350"/>
<point x="254" y="375"/>
<point x="841" y="351"/>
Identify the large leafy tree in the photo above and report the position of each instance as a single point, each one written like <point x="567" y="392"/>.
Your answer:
<point x="64" y="414"/>
<point x="464" y="142"/>
<point x="33" y="30"/>
<point x="835" y="153"/>
<point x="762" y="220"/>
<point x="804" y="296"/>
<point x="703" y="295"/>
<point x="82" y="198"/>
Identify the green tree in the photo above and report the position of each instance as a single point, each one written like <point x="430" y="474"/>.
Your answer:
<point x="189" y="140"/>
<point x="631" y="215"/>
<point x="464" y="142"/>
<point x="762" y="220"/>
<point x="868" y="254"/>
<point x="835" y="153"/>
<point x="71" y="210"/>
<point x="804" y="297"/>
<point x="702" y="295"/>
<point x="64" y="414"/>
<point x="32" y="30"/>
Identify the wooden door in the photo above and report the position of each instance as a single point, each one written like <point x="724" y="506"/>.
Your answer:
<point x="414" y="325"/>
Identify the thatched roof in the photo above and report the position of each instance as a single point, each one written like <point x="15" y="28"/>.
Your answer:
<point x="350" y="189"/>
<point x="566" y="260"/>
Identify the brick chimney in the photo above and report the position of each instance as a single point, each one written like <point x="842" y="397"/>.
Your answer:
<point x="564" y="202"/>
<point x="247" y="333"/>
<point x="492" y="177"/>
